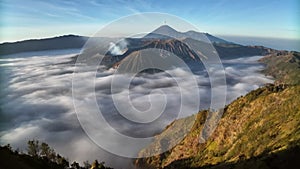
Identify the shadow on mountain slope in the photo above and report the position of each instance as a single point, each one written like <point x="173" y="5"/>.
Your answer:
<point x="280" y="160"/>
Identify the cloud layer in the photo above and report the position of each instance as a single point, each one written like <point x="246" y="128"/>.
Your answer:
<point x="36" y="101"/>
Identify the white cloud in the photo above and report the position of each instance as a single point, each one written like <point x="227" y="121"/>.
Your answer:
<point x="36" y="101"/>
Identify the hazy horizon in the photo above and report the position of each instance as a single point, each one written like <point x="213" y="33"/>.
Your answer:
<point x="274" y="43"/>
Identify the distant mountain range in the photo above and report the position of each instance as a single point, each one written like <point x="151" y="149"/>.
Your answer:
<point x="190" y="46"/>
<point x="56" y="43"/>
<point x="164" y="37"/>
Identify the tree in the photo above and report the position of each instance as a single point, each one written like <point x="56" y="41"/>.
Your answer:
<point x="87" y="165"/>
<point x="75" y="165"/>
<point x="33" y="148"/>
<point x="52" y="155"/>
<point x="8" y="147"/>
<point x="97" y="165"/>
<point x="45" y="150"/>
<point x="62" y="161"/>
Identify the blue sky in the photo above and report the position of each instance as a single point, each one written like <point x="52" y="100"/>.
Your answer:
<point x="25" y="19"/>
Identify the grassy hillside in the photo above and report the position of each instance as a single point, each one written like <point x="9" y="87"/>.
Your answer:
<point x="258" y="130"/>
<point x="257" y="126"/>
<point x="284" y="66"/>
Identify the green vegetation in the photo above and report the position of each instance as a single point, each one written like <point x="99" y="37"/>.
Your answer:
<point x="267" y="123"/>
<point x="40" y="156"/>
<point x="258" y="130"/>
<point x="284" y="66"/>
<point x="287" y="158"/>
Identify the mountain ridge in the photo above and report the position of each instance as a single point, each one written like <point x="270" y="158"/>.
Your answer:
<point x="76" y="41"/>
<point x="165" y="31"/>
<point x="190" y="45"/>
<point x="255" y="130"/>
<point x="53" y="43"/>
<point x="246" y="130"/>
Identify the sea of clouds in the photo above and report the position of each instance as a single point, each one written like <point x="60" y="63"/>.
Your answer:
<point x="36" y="100"/>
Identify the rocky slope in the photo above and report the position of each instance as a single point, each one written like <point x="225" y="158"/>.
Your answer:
<point x="189" y="46"/>
<point x="164" y="48"/>
<point x="187" y="49"/>
<point x="258" y="130"/>
<point x="284" y="66"/>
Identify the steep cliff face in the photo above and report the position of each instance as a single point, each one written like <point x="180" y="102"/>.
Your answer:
<point x="260" y="129"/>
<point x="263" y="122"/>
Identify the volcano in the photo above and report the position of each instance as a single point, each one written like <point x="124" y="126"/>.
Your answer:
<point x="190" y="47"/>
<point x="166" y="32"/>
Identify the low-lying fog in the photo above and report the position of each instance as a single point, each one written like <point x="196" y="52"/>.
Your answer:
<point x="36" y="101"/>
